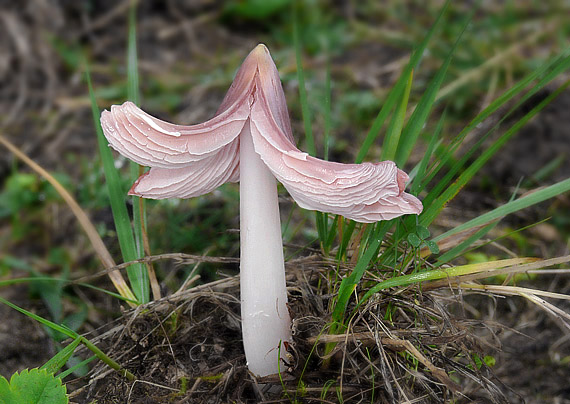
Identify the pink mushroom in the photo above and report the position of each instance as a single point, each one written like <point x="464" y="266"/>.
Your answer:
<point x="250" y="140"/>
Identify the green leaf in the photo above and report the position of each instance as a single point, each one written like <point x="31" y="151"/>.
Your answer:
<point x="33" y="387"/>
<point x="489" y="360"/>
<point x="477" y="360"/>
<point x="433" y="247"/>
<point x="59" y="360"/>
<point x="414" y="240"/>
<point x="422" y="232"/>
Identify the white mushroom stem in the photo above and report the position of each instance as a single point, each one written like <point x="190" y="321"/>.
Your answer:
<point x="265" y="317"/>
<point x="188" y="161"/>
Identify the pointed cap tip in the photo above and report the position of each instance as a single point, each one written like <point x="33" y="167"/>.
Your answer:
<point x="260" y="51"/>
<point x="261" y="48"/>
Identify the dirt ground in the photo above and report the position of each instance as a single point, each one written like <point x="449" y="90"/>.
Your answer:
<point x="45" y="112"/>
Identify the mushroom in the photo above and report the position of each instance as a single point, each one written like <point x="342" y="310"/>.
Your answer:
<point x="250" y="140"/>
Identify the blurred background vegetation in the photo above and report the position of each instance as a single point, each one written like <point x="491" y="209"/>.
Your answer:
<point x="188" y="53"/>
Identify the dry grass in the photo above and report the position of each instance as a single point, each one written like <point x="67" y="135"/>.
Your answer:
<point x="405" y="345"/>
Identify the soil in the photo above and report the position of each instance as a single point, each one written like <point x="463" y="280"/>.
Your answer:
<point x="191" y="342"/>
<point x="24" y="342"/>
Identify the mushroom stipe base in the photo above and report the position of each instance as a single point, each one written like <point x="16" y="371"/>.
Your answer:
<point x="188" y="348"/>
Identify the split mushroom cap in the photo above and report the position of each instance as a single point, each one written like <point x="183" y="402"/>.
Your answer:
<point x="188" y="161"/>
<point x="251" y="133"/>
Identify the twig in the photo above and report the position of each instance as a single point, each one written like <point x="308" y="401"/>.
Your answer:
<point x="186" y="258"/>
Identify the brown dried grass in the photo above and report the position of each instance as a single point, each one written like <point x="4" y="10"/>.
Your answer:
<point x="409" y="346"/>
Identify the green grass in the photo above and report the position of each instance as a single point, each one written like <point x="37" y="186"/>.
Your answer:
<point x="117" y="197"/>
<point x="401" y="138"/>
<point x="131" y="243"/>
<point x="139" y="275"/>
<point x="63" y="354"/>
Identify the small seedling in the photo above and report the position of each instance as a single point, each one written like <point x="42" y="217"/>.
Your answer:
<point x="419" y="239"/>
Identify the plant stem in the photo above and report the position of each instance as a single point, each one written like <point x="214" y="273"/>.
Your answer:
<point x="107" y="360"/>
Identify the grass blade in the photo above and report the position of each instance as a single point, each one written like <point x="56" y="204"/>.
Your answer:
<point x="15" y="281"/>
<point x="345" y="232"/>
<point x="462" y="276"/>
<point x="320" y="218"/>
<point x="348" y="284"/>
<point x="425" y="105"/>
<point x="480" y="71"/>
<point x="328" y="111"/>
<point x="117" y="200"/>
<point x="132" y="58"/>
<point x="437" y="274"/>
<point x="329" y="232"/>
<point x="305" y="110"/>
<point x="392" y="138"/>
<point x="141" y="285"/>
<point x="393" y="97"/>
<point x="419" y="175"/>
<point x="59" y="359"/>
<point x="434" y="208"/>
<point x="72" y="369"/>
<point x="462" y="246"/>
<point x="548" y="70"/>
<point x="510" y="207"/>
<point x="397" y="90"/>
<point x="56" y="327"/>
<point x="72" y="334"/>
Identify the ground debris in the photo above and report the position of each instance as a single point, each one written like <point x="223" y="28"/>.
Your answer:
<point x="186" y="348"/>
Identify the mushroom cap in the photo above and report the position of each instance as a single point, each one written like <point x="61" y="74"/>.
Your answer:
<point x="188" y="161"/>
